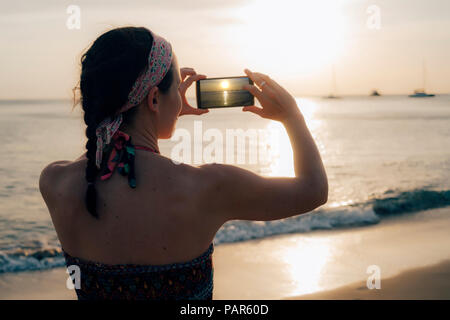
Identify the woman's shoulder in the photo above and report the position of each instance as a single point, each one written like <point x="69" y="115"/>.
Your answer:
<point x="53" y="169"/>
<point x="54" y="174"/>
<point x="50" y="171"/>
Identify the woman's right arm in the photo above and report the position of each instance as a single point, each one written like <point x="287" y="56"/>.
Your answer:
<point x="230" y="192"/>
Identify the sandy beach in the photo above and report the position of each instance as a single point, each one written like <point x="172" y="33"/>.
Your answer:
<point x="316" y="265"/>
<point x="425" y="283"/>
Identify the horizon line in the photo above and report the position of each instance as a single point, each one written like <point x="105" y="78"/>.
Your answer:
<point x="193" y="97"/>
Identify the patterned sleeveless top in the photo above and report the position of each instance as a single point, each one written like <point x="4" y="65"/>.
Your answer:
<point x="191" y="280"/>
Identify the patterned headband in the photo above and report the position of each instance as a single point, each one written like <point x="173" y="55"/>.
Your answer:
<point x="159" y="61"/>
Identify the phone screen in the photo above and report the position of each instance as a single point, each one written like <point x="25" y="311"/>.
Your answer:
<point x="223" y="92"/>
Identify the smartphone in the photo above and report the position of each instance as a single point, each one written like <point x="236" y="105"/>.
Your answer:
<point x="223" y="92"/>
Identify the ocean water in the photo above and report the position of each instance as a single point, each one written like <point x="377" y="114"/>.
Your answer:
<point x="226" y="98"/>
<point x="384" y="156"/>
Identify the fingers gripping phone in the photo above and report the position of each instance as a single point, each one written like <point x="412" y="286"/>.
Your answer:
<point x="223" y="92"/>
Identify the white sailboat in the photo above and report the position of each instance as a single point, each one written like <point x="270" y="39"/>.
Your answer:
<point x="421" y="93"/>
<point x="333" y="94"/>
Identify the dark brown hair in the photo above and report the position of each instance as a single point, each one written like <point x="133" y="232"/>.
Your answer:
<point x="109" y="69"/>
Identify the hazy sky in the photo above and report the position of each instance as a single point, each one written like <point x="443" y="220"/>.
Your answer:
<point x="296" y="42"/>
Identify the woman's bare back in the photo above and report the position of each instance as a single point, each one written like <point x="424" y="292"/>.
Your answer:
<point x="158" y="222"/>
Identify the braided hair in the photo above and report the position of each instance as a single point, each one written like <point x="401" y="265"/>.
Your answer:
<point x="109" y="69"/>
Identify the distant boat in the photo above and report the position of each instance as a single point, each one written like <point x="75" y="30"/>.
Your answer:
<point x="333" y="94"/>
<point x="421" y="93"/>
<point x="375" y="93"/>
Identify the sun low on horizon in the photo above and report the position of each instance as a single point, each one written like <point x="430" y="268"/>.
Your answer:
<point x="225" y="84"/>
<point x="271" y="34"/>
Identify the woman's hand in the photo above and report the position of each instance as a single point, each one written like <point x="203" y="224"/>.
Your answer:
<point x="184" y="85"/>
<point x="276" y="102"/>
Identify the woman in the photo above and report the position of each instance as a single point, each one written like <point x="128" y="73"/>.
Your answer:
<point x="147" y="232"/>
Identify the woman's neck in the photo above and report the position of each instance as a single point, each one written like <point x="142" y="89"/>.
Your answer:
<point x="142" y="137"/>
